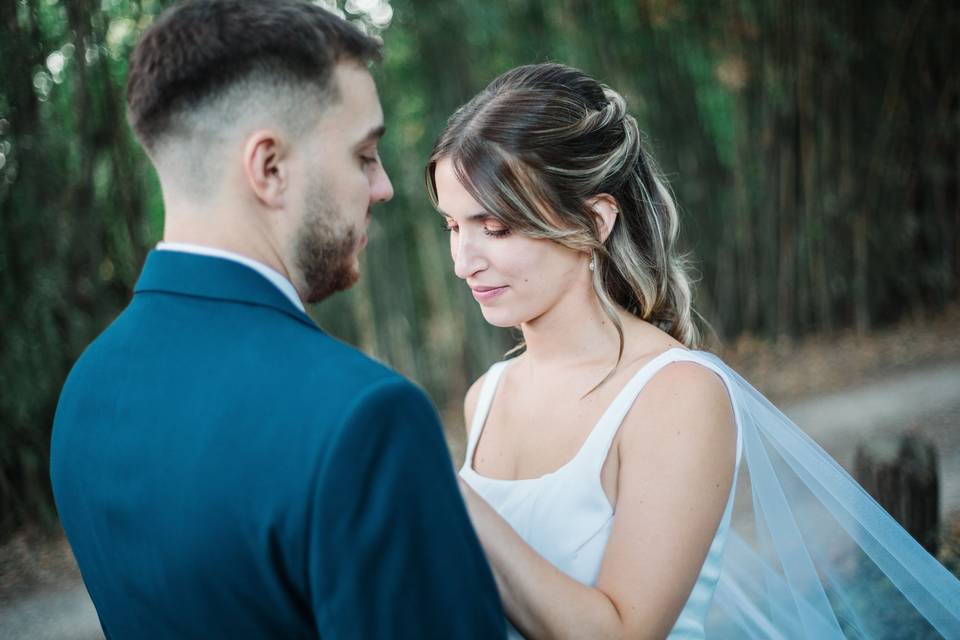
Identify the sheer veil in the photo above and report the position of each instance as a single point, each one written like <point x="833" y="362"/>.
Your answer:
<point x="819" y="558"/>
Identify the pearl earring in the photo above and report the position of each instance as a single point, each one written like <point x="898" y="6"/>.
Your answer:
<point x="593" y="265"/>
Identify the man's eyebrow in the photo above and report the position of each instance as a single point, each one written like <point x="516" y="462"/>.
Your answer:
<point x="374" y="134"/>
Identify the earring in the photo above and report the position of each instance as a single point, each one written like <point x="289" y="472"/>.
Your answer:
<point x="593" y="265"/>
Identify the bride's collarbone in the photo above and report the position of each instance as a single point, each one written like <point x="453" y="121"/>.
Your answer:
<point x="539" y="425"/>
<point x="572" y="396"/>
<point x="556" y="407"/>
<point x="590" y="378"/>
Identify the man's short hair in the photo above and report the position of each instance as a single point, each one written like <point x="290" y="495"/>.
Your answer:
<point x="200" y="49"/>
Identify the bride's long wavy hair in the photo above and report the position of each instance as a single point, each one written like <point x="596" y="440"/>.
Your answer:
<point x="535" y="146"/>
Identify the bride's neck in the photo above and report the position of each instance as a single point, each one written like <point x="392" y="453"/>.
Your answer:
<point x="573" y="331"/>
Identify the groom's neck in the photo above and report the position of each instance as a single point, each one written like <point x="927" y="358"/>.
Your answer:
<point x="225" y="228"/>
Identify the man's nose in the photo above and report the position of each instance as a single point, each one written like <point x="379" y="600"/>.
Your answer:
<point x="382" y="188"/>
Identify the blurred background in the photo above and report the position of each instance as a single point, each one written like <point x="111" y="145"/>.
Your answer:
<point x="814" y="147"/>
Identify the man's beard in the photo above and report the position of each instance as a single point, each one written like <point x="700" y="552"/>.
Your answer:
<point x="325" y="253"/>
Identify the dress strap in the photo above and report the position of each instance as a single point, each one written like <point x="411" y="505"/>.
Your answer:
<point x="598" y="443"/>
<point x="490" y="382"/>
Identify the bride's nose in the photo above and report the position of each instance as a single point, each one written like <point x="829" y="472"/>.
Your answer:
<point x="467" y="255"/>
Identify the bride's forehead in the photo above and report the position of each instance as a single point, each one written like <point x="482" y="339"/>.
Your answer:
<point x="453" y="198"/>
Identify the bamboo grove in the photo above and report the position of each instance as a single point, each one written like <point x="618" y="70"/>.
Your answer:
<point x="813" y="147"/>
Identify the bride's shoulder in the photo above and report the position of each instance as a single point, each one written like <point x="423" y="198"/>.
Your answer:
<point x="689" y="377"/>
<point x="687" y="398"/>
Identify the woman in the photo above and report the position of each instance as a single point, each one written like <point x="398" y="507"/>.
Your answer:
<point x="601" y="462"/>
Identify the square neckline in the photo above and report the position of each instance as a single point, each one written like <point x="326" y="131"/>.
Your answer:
<point x="472" y="451"/>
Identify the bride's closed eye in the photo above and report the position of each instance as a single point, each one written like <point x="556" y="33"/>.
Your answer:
<point x="496" y="231"/>
<point x="490" y="228"/>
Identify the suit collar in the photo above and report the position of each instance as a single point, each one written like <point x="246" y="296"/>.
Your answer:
<point x="215" y="278"/>
<point x="279" y="280"/>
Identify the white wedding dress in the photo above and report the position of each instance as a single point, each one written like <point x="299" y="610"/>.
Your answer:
<point x="566" y="516"/>
<point x="811" y="556"/>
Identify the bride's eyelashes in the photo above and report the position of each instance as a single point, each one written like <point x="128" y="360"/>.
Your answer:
<point x="493" y="233"/>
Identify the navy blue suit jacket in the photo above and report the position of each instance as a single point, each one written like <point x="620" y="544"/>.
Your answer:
<point x="224" y="469"/>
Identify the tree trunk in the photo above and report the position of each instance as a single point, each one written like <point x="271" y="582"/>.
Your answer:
<point x="903" y="477"/>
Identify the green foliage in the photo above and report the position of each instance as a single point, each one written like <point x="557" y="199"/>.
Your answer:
<point x="813" y="148"/>
<point x="71" y="223"/>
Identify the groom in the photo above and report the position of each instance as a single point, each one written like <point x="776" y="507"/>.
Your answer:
<point x="221" y="466"/>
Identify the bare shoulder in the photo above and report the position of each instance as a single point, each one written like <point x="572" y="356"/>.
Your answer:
<point x="690" y="381"/>
<point x="686" y="407"/>
<point x="470" y="401"/>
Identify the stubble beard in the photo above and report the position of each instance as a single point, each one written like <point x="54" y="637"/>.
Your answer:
<point x="325" y="253"/>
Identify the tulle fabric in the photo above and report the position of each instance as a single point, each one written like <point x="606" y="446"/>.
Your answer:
<point x="819" y="558"/>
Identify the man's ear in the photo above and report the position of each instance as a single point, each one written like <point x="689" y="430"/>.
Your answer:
<point x="265" y="165"/>
<point x="605" y="211"/>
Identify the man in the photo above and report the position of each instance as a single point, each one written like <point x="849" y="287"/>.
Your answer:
<point x="223" y="468"/>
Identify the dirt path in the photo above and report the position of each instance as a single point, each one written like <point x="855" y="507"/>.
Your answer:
<point x="926" y="399"/>
<point x="63" y="614"/>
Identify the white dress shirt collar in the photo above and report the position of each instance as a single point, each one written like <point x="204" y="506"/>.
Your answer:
<point x="278" y="280"/>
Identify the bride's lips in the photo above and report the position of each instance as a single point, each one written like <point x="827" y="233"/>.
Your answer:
<point x="485" y="294"/>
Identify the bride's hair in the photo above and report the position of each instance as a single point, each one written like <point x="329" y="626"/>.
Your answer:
<point x="535" y="146"/>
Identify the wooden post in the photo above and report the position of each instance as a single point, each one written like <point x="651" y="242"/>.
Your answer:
<point x="902" y="475"/>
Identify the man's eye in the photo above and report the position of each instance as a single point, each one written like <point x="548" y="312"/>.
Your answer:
<point x="449" y="226"/>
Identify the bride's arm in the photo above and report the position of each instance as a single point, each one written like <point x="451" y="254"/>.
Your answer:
<point x="536" y="595"/>
<point x="677" y="453"/>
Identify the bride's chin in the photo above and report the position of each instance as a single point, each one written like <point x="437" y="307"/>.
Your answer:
<point x="499" y="319"/>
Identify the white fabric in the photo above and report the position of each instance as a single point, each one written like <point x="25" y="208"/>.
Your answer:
<point x="807" y="555"/>
<point x="819" y="558"/>
<point x="565" y="515"/>
<point x="277" y="279"/>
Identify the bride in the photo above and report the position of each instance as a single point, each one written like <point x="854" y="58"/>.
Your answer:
<point x="601" y="463"/>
